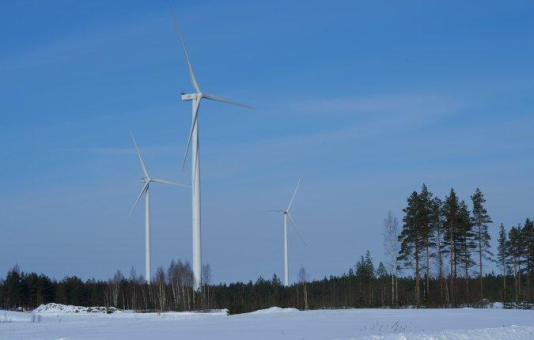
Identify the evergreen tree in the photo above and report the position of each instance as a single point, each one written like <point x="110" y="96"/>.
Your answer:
<point x="481" y="219"/>
<point x="365" y="272"/>
<point x="382" y="275"/>
<point x="369" y="265"/>
<point x="528" y="237"/>
<point x="381" y="271"/>
<point x="502" y="257"/>
<point x="412" y="239"/>
<point x="15" y="289"/>
<point x="467" y="243"/>
<point x="425" y="216"/>
<point x="451" y="224"/>
<point x="516" y="255"/>
<point x="437" y="226"/>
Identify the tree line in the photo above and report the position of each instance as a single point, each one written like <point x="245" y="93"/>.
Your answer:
<point x="453" y="239"/>
<point x="444" y="243"/>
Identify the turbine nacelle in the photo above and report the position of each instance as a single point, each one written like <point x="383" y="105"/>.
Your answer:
<point x="191" y="96"/>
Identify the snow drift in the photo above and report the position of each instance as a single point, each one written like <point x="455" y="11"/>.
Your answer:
<point x="275" y="310"/>
<point x="57" y="308"/>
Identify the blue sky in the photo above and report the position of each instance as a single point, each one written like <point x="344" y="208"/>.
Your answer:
<point x="366" y="101"/>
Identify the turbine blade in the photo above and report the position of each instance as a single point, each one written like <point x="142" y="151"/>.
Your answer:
<point x="269" y="211"/>
<point x="190" y="68"/>
<point x="294" y="194"/>
<point x="297" y="229"/>
<point x="162" y="181"/>
<point x="224" y="100"/>
<point x="140" y="158"/>
<point x="193" y="125"/>
<point x="145" y="188"/>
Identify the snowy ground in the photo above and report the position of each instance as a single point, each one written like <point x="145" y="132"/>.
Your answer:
<point x="458" y="324"/>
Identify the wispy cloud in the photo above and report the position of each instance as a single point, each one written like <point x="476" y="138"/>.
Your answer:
<point x="372" y="115"/>
<point x="78" y="45"/>
<point x="413" y="105"/>
<point x="111" y="151"/>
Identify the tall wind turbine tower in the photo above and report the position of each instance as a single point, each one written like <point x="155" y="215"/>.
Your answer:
<point x="146" y="192"/>
<point x="287" y="216"/>
<point x="193" y="142"/>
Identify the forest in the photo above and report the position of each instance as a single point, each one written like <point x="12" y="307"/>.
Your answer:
<point x="437" y="256"/>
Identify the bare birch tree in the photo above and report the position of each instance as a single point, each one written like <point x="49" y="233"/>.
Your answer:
<point x="303" y="280"/>
<point x="391" y="247"/>
<point x="206" y="280"/>
<point x="115" y="285"/>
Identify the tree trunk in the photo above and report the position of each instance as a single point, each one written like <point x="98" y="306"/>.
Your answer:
<point x="427" y="272"/>
<point x="417" y="281"/>
<point x="466" y="270"/>
<point x="396" y="291"/>
<point x="480" y="263"/>
<point x="453" y="266"/>
<point x="305" y="297"/>
<point x="392" y="290"/>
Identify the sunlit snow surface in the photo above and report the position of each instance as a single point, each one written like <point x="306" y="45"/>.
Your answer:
<point x="275" y="323"/>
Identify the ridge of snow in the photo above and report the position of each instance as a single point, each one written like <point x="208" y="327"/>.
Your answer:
<point x="57" y="308"/>
<point x="275" y="310"/>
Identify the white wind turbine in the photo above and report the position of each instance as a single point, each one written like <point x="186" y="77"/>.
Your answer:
<point x="287" y="216"/>
<point x="193" y="141"/>
<point x="146" y="191"/>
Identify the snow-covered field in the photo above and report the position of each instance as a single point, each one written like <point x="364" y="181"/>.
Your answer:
<point x="274" y="323"/>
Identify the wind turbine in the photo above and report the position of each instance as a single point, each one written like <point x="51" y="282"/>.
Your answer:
<point x="193" y="142"/>
<point x="287" y="216"/>
<point x="146" y="191"/>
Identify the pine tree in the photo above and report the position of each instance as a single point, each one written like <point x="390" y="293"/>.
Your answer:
<point x="451" y="224"/>
<point x="502" y="257"/>
<point x="516" y="253"/>
<point x="467" y="243"/>
<point x="437" y="226"/>
<point x="481" y="219"/>
<point x="528" y="237"/>
<point x="425" y="221"/>
<point x="412" y="239"/>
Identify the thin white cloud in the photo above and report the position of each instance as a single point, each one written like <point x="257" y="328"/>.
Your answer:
<point x="78" y="45"/>
<point x="105" y="151"/>
<point x="420" y="105"/>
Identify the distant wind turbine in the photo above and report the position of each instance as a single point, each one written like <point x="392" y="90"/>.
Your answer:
<point x="193" y="141"/>
<point x="146" y="191"/>
<point x="287" y="216"/>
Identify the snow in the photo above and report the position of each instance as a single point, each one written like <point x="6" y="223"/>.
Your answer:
<point x="276" y="310"/>
<point x="56" y="308"/>
<point x="274" y="323"/>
